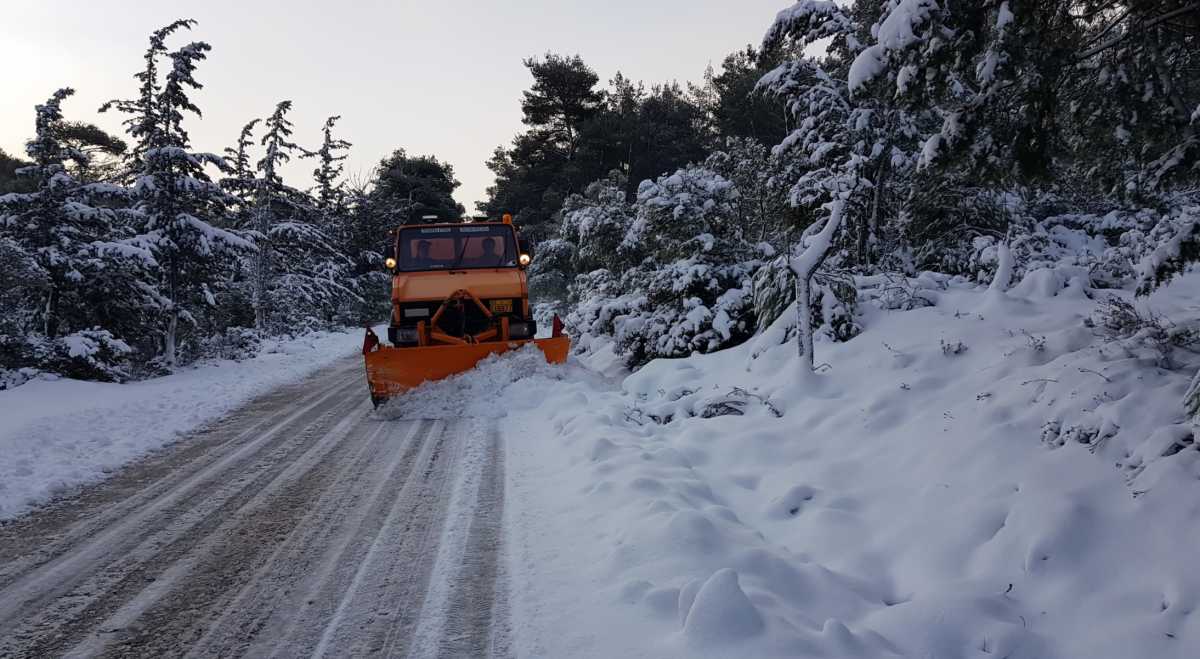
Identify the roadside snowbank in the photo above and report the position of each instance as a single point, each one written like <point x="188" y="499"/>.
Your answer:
<point x="57" y="434"/>
<point x="947" y="488"/>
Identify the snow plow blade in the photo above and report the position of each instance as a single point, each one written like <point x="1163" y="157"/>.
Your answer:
<point x="392" y="371"/>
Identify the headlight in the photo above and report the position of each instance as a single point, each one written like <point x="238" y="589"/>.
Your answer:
<point x="524" y="259"/>
<point x="390" y="262"/>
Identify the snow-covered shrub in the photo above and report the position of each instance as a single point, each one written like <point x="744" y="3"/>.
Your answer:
<point x="550" y="272"/>
<point x="1117" y="248"/>
<point x="88" y="355"/>
<point x="22" y="283"/>
<point x="235" y="343"/>
<point x="686" y="306"/>
<point x="595" y="223"/>
<point x="685" y="282"/>
<point x="951" y="349"/>
<point x="893" y="291"/>
<point x="372" y="303"/>
<point x="1174" y="245"/>
<point x="1119" y="321"/>
<point x="591" y="231"/>
<point x="15" y="377"/>
<point x="1191" y="401"/>
<point x="599" y="303"/>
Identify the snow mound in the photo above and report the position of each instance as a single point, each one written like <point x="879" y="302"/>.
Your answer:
<point x="946" y="488"/>
<point x="479" y="392"/>
<point x="721" y="613"/>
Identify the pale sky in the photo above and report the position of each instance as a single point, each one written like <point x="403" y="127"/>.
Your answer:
<point x="441" y="78"/>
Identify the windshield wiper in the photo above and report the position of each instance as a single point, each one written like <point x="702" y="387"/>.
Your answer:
<point x="461" y="253"/>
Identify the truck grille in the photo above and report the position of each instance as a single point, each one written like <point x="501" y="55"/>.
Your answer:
<point x="460" y="320"/>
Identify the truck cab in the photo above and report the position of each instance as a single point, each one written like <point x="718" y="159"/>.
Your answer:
<point x="459" y="281"/>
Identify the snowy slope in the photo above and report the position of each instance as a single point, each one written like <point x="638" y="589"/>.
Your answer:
<point x="920" y="498"/>
<point x="58" y="434"/>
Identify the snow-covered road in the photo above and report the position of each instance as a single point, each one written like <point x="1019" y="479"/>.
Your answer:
<point x="301" y="525"/>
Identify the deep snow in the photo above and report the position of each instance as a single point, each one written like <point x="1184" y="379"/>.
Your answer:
<point x="58" y="434"/>
<point x="929" y="494"/>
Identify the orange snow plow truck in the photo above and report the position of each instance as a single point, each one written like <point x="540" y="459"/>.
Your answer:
<point x="459" y="294"/>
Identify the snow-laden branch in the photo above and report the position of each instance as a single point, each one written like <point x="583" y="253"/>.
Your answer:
<point x="806" y="263"/>
<point x="805" y="266"/>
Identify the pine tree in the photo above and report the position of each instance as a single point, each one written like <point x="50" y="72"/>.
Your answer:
<point x="330" y="195"/>
<point x="81" y="262"/>
<point x="68" y="226"/>
<point x="300" y="275"/>
<point x="177" y="204"/>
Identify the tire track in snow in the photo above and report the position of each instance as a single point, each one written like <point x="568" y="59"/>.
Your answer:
<point x="34" y="541"/>
<point x="114" y="567"/>
<point x="301" y="525"/>
<point x="465" y="612"/>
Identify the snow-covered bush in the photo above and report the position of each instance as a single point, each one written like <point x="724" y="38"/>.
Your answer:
<point x="13" y="378"/>
<point x="1174" y="245"/>
<point x="1117" y="248"/>
<point x="550" y="272"/>
<point x="685" y="282"/>
<point x="235" y="343"/>
<point x="87" y="355"/>
<point x="1119" y="321"/>
<point x="595" y="223"/>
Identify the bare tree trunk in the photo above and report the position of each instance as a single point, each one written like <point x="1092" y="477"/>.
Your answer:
<point x="804" y="340"/>
<point x="170" y="338"/>
<point x="50" y="322"/>
<point x="872" y="222"/>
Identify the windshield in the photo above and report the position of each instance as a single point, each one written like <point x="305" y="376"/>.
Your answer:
<point x="457" y="247"/>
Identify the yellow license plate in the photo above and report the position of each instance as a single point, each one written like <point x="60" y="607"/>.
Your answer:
<point x="501" y="306"/>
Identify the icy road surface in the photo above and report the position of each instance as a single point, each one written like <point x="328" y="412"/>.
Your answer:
<point x="301" y="525"/>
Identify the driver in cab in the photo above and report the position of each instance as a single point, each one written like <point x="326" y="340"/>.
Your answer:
<point x="423" y="259"/>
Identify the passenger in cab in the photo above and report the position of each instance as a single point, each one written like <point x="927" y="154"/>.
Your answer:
<point x="489" y="257"/>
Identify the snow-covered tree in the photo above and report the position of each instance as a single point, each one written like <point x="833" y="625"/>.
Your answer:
<point x="73" y="256"/>
<point x="761" y="180"/>
<point x="837" y="139"/>
<point x="330" y="195"/>
<point x="593" y="226"/>
<point x="73" y="233"/>
<point x="299" y="274"/>
<point x="177" y="204"/>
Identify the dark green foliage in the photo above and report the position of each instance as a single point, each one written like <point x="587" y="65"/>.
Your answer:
<point x="407" y="188"/>
<point x="9" y="180"/>
<point x="578" y="133"/>
<point x="737" y="107"/>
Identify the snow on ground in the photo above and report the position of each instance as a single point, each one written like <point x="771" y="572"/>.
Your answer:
<point x="981" y="478"/>
<point x="57" y="434"/>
